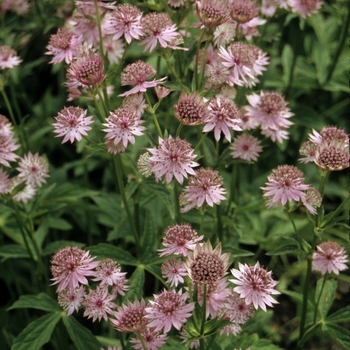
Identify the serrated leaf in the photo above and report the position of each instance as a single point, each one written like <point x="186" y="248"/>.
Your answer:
<point x="339" y="334"/>
<point x="82" y="337"/>
<point x="103" y="251"/>
<point x="40" y="302"/>
<point x="342" y="315"/>
<point x="325" y="295"/>
<point x="58" y="223"/>
<point x="288" y="248"/>
<point x="149" y="237"/>
<point x="136" y="283"/>
<point x="13" y="251"/>
<point x="37" y="333"/>
<point x="235" y="252"/>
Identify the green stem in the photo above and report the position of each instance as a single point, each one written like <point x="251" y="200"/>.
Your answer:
<point x="290" y="76"/>
<point x="177" y="203"/>
<point x="102" y="99"/>
<point x="197" y="58"/>
<point x="201" y="72"/>
<point x="179" y="130"/>
<point x="335" y="213"/>
<point x="155" y="119"/>
<point x="324" y="178"/>
<point x="175" y="75"/>
<point x="319" y="297"/>
<point x="204" y="316"/>
<point x="219" y="224"/>
<point x="138" y="334"/>
<point x="98" y="18"/>
<point x="100" y="115"/>
<point x="233" y="187"/>
<point x="118" y="169"/>
<point x="200" y="142"/>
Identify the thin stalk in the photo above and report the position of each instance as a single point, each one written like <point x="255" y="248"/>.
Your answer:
<point x="176" y="76"/>
<point x="155" y="119"/>
<point x="118" y="170"/>
<point x="233" y="187"/>
<point x="324" y="178"/>
<point x="179" y="130"/>
<point x="177" y="203"/>
<point x="103" y="100"/>
<point x="293" y="224"/>
<point x="319" y="297"/>
<point x="219" y="224"/>
<point x="201" y="71"/>
<point x="200" y="142"/>
<point x="290" y="76"/>
<point x="335" y="213"/>
<point x="197" y="54"/>
<point x="204" y="311"/>
<point x="138" y="334"/>
<point x="100" y="115"/>
<point x="98" y="19"/>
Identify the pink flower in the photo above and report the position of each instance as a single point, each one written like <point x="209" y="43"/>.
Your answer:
<point x="136" y="103"/>
<point x="236" y="308"/>
<point x="173" y="270"/>
<point x="33" y="169"/>
<point x="122" y="125"/>
<point x="268" y="7"/>
<point x="211" y="13"/>
<point x="308" y="149"/>
<point x="153" y="340"/>
<point x="63" y="46"/>
<point x="125" y="21"/>
<point x="108" y="272"/>
<point x="329" y="257"/>
<point x="8" y="58"/>
<point x="246" y="147"/>
<point x="276" y="135"/>
<point x="223" y="117"/>
<point x="179" y="239"/>
<point x="305" y="7"/>
<point x="98" y="304"/>
<point x="158" y="28"/>
<point x="114" y="148"/>
<point x="161" y="91"/>
<point x="71" y="300"/>
<point x="113" y="48"/>
<point x="286" y="183"/>
<point x="72" y="123"/>
<point x="27" y="193"/>
<point x="328" y="135"/>
<point x="7" y="146"/>
<point x="312" y="200"/>
<point x="136" y="74"/>
<point x="243" y="11"/>
<point x="231" y="329"/>
<point x="205" y="186"/>
<point x="173" y="158"/>
<point x="175" y="3"/>
<point x="70" y="266"/>
<point x="333" y="156"/>
<point x="224" y="34"/>
<point x="168" y="309"/>
<point x="255" y="285"/>
<point x="130" y="317"/>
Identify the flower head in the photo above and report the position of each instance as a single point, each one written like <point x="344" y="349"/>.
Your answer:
<point x="151" y="338"/>
<point x="161" y="91"/>
<point x="71" y="299"/>
<point x="207" y="265"/>
<point x="168" y="309"/>
<point x="22" y="195"/>
<point x="204" y="186"/>
<point x="114" y="48"/>
<point x="255" y="285"/>
<point x="328" y="135"/>
<point x="174" y="271"/>
<point x="144" y="165"/>
<point x="70" y="266"/>
<point x="179" y="239"/>
<point x="312" y="200"/>
<point x="136" y="74"/>
<point x="7" y="143"/>
<point x="246" y="147"/>
<point x="286" y="183"/>
<point x="4" y="181"/>
<point x="173" y="158"/>
<point x="8" y="57"/>
<point x="237" y="309"/>
<point x="243" y="11"/>
<point x="308" y="149"/>
<point x="108" y="272"/>
<point x="122" y="125"/>
<point x="33" y="169"/>
<point x="333" y="156"/>
<point x="329" y="257"/>
<point x="211" y="13"/>
<point x="224" y="34"/>
<point x="135" y="103"/>
<point x="72" y="123"/>
<point x="114" y="148"/>
<point x="305" y="7"/>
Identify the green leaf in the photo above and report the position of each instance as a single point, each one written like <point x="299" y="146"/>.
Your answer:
<point x="288" y="248"/>
<point x="149" y="238"/>
<point x="53" y="247"/>
<point x="58" y="223"/>
<point x="339" y="334"/>
<point x="40" y="302"/>
<point x="342" y="315"/>
<point x="37" y="333"/>
<point x="13" y="251"/>
<point x="235" y="252"/>
<point x="82" y="337"/>
<point x="136" y="283"/>
<point x="103" y="251"/>
<point x="286" y="60"/>
<point x="325" y="295"/>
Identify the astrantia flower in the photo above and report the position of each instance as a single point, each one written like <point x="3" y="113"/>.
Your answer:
<point x="276" y="135"/>
<point x="33" y="169"/>
<point x="8" y="57"/>
<point x="243" y="11"/>
<point x="23" y="195"/>
<point x="119" y="286"/>
<point x="144" y="165"/>
<point x="70" y="266"/>
<point x="114" y="49"/>
<point x="4" y="181"/>
<point x="136" y="74"/>
<point x="114" y="148"/>
<point x="211" y="13"/>
<point x="248" y="122"/>
<point x="161" y="91"/>
<point x="329" y="257"/>
<point x="173" y="158"/>
<point x="122" y="125"/>
<point x="308" y="149"/>
<point x="216" y="73"/>
<point x="158" y="28"/>
<point x="224" y="34"/>
<point x="7" y="146"/>
<point x="71" y="300"/>
<point x="179" y="239"/>
<point x="223" y="117"/>
<point x="305" y="7"/>
<point x="236" y="308"/>
<point x="98" y="304"/>
<point x="153" y="340"/>
<point x="63" y="46"/>
<point x="72" y="123"/>
<point x="191" y="109"/>
<point x="207" y="265"/>
<point x="312" y="200"/>
<point x="328" y="135"/>
<point x="168" y="309"/>
<point x="173" y="270"/>
<point x="333" y="156"/>
<point x="125" y="21"/>
<point x="286" y="183"/>
<point x="108" y="272"/>
<point x="246" y="147"/>
<point x="204" y="186"/>
<point x="255" y="285"/>
<point x="136" y="103"/>
<point x="231" y="329"/>
<point x="130" y="317"/>
<point x="268" y="7"/>
<point x="176" y="3"/>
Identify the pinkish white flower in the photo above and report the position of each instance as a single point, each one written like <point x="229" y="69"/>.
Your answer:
<point x="216" y="73"/>
<point x="119" y="286"/>
<point x="71" y="300"/>
<point x="211" y="13"/>
<point x="152" y="339"/>
<point x="249" y="29"/>
<point x="243" y="11"/>
<point x="255" y="285"/>
<point x="175" y="3"/>
<point x="108" y="272"/>
<point x="223" y="117"/>
<point x="174" y="271"/>
<point x="204" y="186"/>
<point x="329" y="134"/>
<point x="8" y="57"/>
<point x="63" y="46"/>
<point x="312" y="200"/>
<point x="161" y="91"/>
<point x="125" y="21"/>
<point x="114" y="148"/>
<point x="173" y="158"/>
<point x="268" y="7"/>
<point x="246" y="147"/>
<point x="329" y="257"/>
<point x="236" y="308"/>
<point x="286" y="183"/>
<point x="136" y="103"/>
<point x="168" y="309"/>
<point x="333" y="156"/>
<point x="20" y="7"/>
<point x="224" y="34"/>
<point x="99" y="304"/>
<point x="276" y="135"/>
<point x="33" y="169"/>
<point x="308" y="149"/>
<point x="158" y="28"/>
<point x="305" y="7"/>
<point x="247" y="122"/>
<point x="70" y="266"/>
<point x="179" y="239"/>
<point x="136" y="74"/>
<point x="144" y="165"/>
<point x="122" y="125"/>
<point x="114" y="49"/>
<point x="7" y="146"/>
<point x="72" y="123"/>
<point x="231" y="329"/>
<point x="23" y="195"/>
